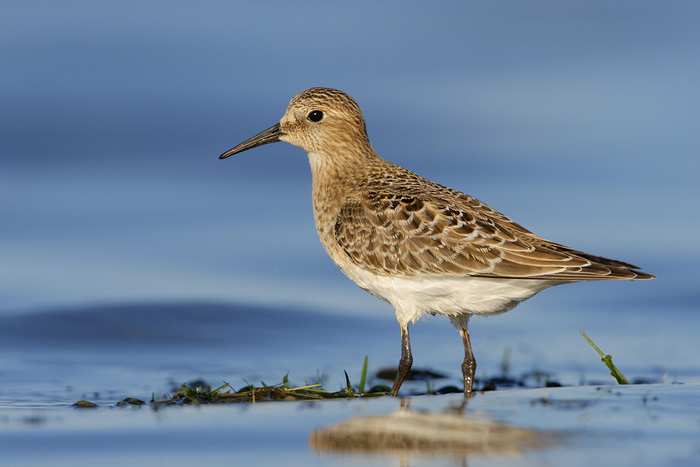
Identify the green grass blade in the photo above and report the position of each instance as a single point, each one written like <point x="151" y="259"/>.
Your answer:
<point x="349" y="389"/>
<point x="363" y="377"/>
<point x="607" y="359"/>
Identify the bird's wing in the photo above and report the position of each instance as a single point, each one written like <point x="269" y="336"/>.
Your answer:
<point x="409" y="234"/>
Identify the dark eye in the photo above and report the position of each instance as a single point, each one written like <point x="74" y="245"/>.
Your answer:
<point x="315" y="115"/>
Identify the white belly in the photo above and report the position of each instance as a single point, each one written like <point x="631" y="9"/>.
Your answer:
<point x="454" y="296"/>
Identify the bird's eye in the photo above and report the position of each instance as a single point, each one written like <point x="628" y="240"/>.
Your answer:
<point x="315" y="116"/>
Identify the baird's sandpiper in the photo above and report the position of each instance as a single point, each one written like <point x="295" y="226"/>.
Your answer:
<point x="422" y="247"/>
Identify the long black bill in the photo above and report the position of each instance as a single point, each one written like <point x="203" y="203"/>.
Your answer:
<point x="271" y="135"/>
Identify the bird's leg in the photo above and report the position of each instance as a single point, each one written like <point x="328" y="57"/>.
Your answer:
<point x="405" y="362"/>
<point x="469" y="364"/>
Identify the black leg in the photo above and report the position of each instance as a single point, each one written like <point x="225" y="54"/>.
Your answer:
<point x="469" y="364"/>
<point x="405" y="362"/>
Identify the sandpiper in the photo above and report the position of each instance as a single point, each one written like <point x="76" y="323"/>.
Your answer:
<point x="422" y="247"/>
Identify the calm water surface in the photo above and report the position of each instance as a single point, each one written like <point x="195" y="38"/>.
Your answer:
<point x="104" y="354"/>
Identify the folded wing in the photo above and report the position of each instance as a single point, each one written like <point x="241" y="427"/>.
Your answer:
<point x="405" y="233"/>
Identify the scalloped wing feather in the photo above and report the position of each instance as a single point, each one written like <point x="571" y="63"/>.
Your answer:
<point x="409" y="234"/>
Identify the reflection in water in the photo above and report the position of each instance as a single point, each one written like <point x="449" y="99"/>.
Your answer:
<point x="408" y="431"/>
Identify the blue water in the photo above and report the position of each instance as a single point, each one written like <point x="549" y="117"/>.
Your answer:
<point x="579" y="122"/>
<point x="133" y="260"/>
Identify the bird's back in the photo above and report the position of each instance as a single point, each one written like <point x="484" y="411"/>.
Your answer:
<point x="390" y="221"/>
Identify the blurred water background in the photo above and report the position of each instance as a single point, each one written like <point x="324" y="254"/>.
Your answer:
<point x="127" y="246"/>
